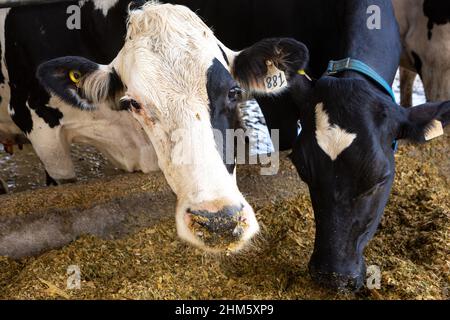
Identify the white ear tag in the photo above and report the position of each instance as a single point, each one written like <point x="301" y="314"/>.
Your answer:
<point x="436" y="130"/>
<point x="275" y="79"/>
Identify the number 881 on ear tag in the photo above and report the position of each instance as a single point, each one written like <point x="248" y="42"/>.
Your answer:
<point x="275" y="79"/>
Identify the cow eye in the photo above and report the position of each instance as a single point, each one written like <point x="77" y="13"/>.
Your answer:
<point x="127" y="103"/>
<point x="235" y="94"/>
<point x="381" y="183"/>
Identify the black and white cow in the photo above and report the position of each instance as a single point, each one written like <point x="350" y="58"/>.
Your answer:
<point x="31" y="35"/>
<point x="425" y="33"/>
<point x="345" y="151"/>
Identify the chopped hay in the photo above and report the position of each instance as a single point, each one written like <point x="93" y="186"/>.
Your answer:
<point x="411" y="248"/>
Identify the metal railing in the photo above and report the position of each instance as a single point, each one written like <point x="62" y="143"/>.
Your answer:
<point x="18" y="3"/>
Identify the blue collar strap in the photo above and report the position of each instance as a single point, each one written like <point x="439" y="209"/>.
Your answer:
<point x="335" y="67"/>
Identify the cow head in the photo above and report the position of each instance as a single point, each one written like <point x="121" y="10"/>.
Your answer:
<point x="345" y="154"/>
<point x="174" y="77"/>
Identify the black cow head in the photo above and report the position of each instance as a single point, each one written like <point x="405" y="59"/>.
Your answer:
<point x="345" y="154"/>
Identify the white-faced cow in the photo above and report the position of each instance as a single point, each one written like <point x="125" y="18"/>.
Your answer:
<point x="189" y="95"/>
<point x="425" y="33"/>
<point x="171" y="74"/>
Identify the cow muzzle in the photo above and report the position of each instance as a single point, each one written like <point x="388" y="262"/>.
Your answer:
<point x="216" y="227"/>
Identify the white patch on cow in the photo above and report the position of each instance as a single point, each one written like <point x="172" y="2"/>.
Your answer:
<point x="103" y="5"/>
<point x="11" y="111"/>
<point x="52" y="148"/>
<point x="96" y="85"/>
<point x="164" y="64"/>
<point x="235" y="174"/>
<point x="115" y="134"/>
<point x="7" y="126"/>
<point x="435" y="130"/>
<point x="4" y="88"/>
<point x="332" y="139"/>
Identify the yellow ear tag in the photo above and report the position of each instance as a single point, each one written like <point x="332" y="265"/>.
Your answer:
<point x="75" y="76"/>
<point x="303" y="73"/>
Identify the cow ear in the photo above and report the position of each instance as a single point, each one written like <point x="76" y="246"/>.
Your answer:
<point x="424" y="122"/>
<point x="136" y="5"/>
<point x="79" y="81"/>
<point x="269" y="66"/>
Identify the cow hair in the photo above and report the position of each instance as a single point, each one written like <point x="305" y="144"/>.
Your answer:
<point x="101" y="85"/>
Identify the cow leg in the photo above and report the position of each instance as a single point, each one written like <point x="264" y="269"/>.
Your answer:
<point x="407" y="79"/>
<point x="53" y="149"/>
<point x="3" y="187"/>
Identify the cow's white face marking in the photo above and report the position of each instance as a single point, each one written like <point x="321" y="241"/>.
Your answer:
<point x="164" y="65"/>
<point x="332" y="139"/>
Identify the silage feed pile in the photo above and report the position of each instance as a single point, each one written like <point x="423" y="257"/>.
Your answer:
<point x="411" y="248"/>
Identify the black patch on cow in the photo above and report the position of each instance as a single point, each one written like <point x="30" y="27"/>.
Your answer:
<point x="438" y="13"/>
<point x="417" y="63"/>
<point x="49" y="181"/>
<point x="224" y="112"/>
<point x="50" y="115"/>
<point x="54" y="76"/>
<point x="21" y="114"/>
<point x="38" y="102"/>
<point x="224" y="55"/>
<point x="115" y="83"/>
<point x="22" y="118"/>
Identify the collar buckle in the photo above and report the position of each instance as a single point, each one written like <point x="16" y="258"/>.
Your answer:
<point x="335" y="67"/>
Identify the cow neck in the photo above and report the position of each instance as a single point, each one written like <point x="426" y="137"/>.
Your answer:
<point x="349" y="64"/>
<point x="377" y="46"/>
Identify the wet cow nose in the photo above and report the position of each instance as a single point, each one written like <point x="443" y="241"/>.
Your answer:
<point x="218" y="229"/>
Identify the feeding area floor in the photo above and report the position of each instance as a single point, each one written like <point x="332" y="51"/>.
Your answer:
<point x="411" y="248"/>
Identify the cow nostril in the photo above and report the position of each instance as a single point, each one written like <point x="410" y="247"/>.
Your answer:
<point x="223" y="227"/>
<point x="238" y="231"/>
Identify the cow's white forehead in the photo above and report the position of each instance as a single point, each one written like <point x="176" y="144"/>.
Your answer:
<point x="332" y="139"/>
<point x="167" y="53"/>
